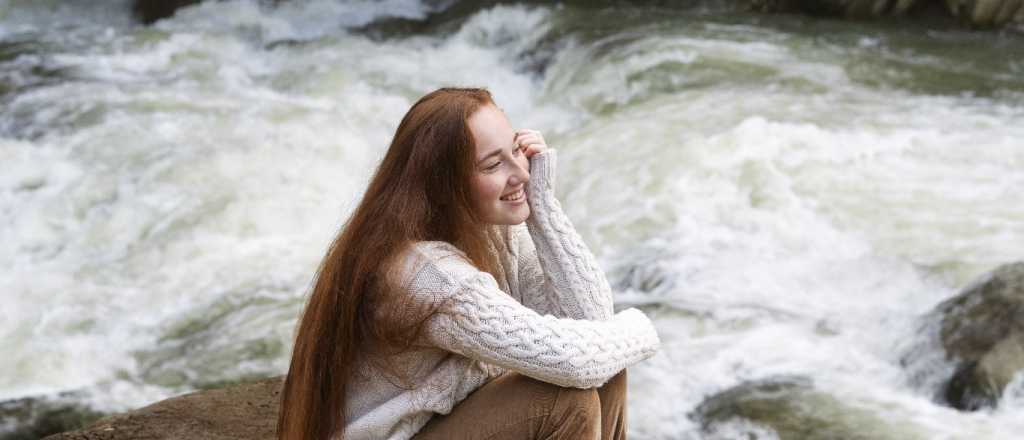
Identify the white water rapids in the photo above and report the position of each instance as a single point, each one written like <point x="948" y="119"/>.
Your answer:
<point x="783" y="196"/>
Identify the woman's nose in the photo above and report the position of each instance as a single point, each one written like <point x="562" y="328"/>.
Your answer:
<point x="520" y="172"/>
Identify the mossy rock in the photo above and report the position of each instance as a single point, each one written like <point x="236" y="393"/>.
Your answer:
<point x="795" y="410"/>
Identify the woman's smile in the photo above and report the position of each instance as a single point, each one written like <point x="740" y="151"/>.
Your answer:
<point x="516" y="197"/>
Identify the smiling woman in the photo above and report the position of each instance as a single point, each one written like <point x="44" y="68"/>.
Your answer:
<point x="436" y="305"/>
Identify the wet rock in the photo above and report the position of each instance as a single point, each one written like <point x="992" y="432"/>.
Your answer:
<point x="982" y="329"/>
<point x="838" y="8"/>
<point x="149" y="11"/>
<point x="794" y="409"/>
<point x="34" y="418"/>
<point x="975" y="13"/>
<point x="987" y="13"/>
<point x="444" y="16"/>
<point x="243" y="411"/>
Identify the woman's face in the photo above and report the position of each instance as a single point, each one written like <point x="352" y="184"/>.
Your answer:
<point x="501" y="170"/>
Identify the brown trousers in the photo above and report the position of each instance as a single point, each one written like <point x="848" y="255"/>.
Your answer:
<point x="516" y="407"/>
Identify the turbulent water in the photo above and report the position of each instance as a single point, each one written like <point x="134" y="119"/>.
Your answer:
<point x="784" y="196"/>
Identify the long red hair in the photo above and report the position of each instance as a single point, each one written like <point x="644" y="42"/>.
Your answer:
<point x="420" y="191"/>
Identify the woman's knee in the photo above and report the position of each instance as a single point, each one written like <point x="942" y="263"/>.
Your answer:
<point x="562" y="412"/>
<point x="577" y="399"/>
<point x="580" y="399"/>
<point x="576" y="414"/>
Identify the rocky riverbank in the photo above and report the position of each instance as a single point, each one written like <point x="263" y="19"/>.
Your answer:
<point x="973" y="13"/>
<point x="245" y="411"/>
<point x="981" y="333"/>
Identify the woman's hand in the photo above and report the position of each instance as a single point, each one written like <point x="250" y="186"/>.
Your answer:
<point x="530" y="141"/>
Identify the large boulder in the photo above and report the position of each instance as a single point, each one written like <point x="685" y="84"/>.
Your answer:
<point x="975" y="13"/>
<point x="987" y="13"/>
<point x="244" y="411"/>
<point x="982" y="330"/>
<point x="792" y="408"/>
<point x="838" y="8"/>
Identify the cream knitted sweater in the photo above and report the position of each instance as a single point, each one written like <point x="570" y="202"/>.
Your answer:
<point x="549" y="317"/>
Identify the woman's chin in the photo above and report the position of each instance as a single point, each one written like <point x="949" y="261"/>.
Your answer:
<point x="514" y="219"/>
<point x="523" y="216"/>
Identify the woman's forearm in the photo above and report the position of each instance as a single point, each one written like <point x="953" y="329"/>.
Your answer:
<point x="573" y="285"/>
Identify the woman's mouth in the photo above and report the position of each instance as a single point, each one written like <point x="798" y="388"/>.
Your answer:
<point x="517" y="196"/>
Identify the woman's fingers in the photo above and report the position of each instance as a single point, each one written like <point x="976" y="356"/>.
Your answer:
<point x="531" y="140"/>
<point x="531" y="135"/>
<point x="530" y="148"/>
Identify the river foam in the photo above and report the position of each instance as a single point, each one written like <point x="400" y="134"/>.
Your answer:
<point x="168" y="190"/>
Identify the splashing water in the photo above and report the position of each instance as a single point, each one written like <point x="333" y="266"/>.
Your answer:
<point x="782" y="196"/>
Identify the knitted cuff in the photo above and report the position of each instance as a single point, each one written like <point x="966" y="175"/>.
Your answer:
<point x="542" y="169"/>
<point x="640" y="325"/>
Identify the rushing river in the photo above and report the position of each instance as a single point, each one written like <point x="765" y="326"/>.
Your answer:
<point x="785" y="196"/>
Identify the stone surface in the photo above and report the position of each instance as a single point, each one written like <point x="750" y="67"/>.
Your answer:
<point x="838" y="8"/>
<point x="150" y="11"/>
<point x="986" y="13"/>
<point x="982" y="329"/>
<point x="34" y="418"/>
<point x="794" y="409"/>
<point x="975" y="13"/>
<point x="243" y="411"/>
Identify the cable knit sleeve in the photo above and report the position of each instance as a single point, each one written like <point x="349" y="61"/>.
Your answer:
<point x="476" y="319"/>
<point x="557" y="272"/>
